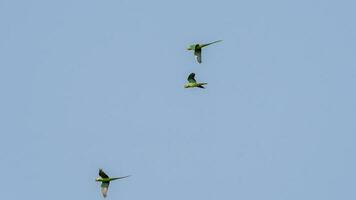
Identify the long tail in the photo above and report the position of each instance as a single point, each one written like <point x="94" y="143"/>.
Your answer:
<point x="204" y="45"/>
<point x="201" y="85"/>
<point x="111" y="179"/>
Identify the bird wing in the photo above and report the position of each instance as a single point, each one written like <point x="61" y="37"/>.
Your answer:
<point x="204" y="45"/>
<point x="105" y="188"/>
<point x="102" y="174"/>
<point x="191" y="78"/>
<point x="197" y="53"/>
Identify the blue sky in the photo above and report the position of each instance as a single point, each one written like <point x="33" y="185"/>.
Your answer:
<point x="89" y="84"/>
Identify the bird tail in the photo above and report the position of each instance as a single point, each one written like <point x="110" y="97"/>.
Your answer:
<point x="115" y="178"/>
<point x="211" y="43"/>
<point x="201" y="85"/>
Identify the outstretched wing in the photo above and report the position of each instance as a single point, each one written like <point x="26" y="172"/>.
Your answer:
<point x="197" y="53"/>
<point x="204" y="45"/>
<point x="105" y="188"/>
<point x="191" y="78"/>
<point x="102" y="174"/>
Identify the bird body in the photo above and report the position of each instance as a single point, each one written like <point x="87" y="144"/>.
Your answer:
<point x="192" y="83"/>
<point x="105" y="181"/>
<point x="197" y="49"/>
<point x="109" y="179"/>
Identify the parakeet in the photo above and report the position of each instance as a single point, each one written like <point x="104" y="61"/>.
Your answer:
<point x="197" y="49"/>
<point x="105" y="181"/>
<point x="193" y="83"/>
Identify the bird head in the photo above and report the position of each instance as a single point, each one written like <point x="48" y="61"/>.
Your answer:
<point x="191" y="47"/>
<point x="97" y="179"/>
<point x="186" y="86"/>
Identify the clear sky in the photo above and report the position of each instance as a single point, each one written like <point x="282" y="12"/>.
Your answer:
<point x="91" y="84"/>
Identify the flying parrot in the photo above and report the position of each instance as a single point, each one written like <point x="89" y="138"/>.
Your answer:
<point x="105" y="181"/>
<point x="193" y="83"/>
<point x="197" y="49"/>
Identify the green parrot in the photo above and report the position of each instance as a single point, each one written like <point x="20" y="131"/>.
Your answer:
<point x="105" y="181"/>
<point x="197" y="49"/>
<point x="193" y="83"/>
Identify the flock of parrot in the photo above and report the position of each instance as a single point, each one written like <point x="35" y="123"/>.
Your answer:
<point x="192" y="83"/>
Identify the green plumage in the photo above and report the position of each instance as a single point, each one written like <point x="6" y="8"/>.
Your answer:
<point x="105" y="181"/>
<point x="192" y="83"/>
<point x="197" y="48"/>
